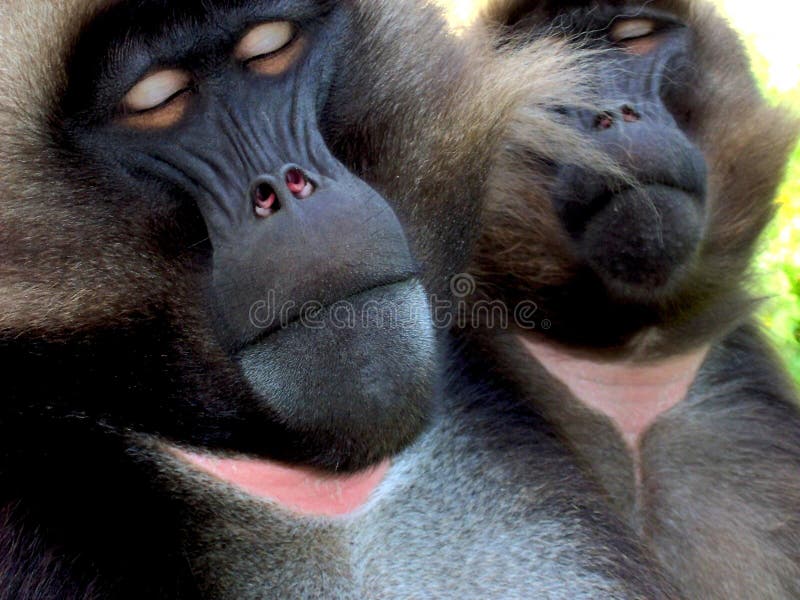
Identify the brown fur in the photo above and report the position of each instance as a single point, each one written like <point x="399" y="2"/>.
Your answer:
<point x="43" y="281"/>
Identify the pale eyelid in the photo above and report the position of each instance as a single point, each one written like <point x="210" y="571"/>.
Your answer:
<point x="265" y="39"/>
<point x="156" y="89"/>
<point x="631" y="29"/>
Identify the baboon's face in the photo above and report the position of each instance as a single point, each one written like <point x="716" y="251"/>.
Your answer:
<point x="639" y="238"/>
<point x="216" y="276"/>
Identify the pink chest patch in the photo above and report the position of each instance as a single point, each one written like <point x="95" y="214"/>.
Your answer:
<point x="632" y="394"/>
<point x="299" y="490"/>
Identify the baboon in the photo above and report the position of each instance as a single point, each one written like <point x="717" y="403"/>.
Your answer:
<point x="222" y="377"/>
<point x="644" y="352"/>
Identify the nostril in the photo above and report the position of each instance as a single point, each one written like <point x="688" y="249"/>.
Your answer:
<point x="603" y="121"/>
<point x="298" y="184"/>
<point x="295" y="180"/>
<point x="630" y="115"/>
<point x="265" y="200"/>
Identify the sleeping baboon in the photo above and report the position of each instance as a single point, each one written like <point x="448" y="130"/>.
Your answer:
<point x="221" y="373"/>
<point x="645" y="353"/>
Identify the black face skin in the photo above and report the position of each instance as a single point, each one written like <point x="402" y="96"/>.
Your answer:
<point x="637" y="239"/>
<point x="296" y="265"/>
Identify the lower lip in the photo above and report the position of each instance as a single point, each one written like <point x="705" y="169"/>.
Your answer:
<point x="299" y="490"/>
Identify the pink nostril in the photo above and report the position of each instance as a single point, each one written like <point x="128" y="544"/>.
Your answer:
<point x="295" y="181"/>
<point x="630" y="115"/>
<point x="266" y="201"/>
<point x="298" y="184"/>
<point x="603" y="121"/>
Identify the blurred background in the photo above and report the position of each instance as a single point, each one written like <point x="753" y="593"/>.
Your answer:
<point x="769" y="29"/>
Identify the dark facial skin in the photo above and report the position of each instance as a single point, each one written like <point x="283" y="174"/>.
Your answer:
<point x="273" y="228"/>
<point x="637" y="239"/>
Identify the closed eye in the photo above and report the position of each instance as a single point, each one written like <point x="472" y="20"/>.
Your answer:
<point x="262" y="47"/>
<point x="631" y="29"/>
<point x="636" y="35"/>
<point x="158" y="100"/>
<point x="156" y="90"/>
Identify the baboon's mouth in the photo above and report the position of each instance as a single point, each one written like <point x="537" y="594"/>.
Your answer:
<point x="311" y="314"/>
<point x="578" y="213"/>
<point x="644" y="238"/>
<point x="295" y="489"/>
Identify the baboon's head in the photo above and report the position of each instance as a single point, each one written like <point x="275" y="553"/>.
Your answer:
<point x="662" y="248"/>
<point x="221" y="222"/>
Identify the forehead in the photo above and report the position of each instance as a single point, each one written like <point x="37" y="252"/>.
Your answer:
<point x="590" y="16"/>
<point x="679" y="8"/>
<point x="131" y="19"/>
<point x="37" y="38"/>
<point x="146" y="13"/>
<point x="29" y="25"/>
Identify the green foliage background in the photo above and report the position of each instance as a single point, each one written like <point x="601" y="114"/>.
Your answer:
<point x="779" y="262"/>
<point x="775" y="51"/>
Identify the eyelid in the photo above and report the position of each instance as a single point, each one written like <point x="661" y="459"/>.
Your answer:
<point x="632" y="29"/>
<point x="156" y="90"/>
<point x="264" y="40"/>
